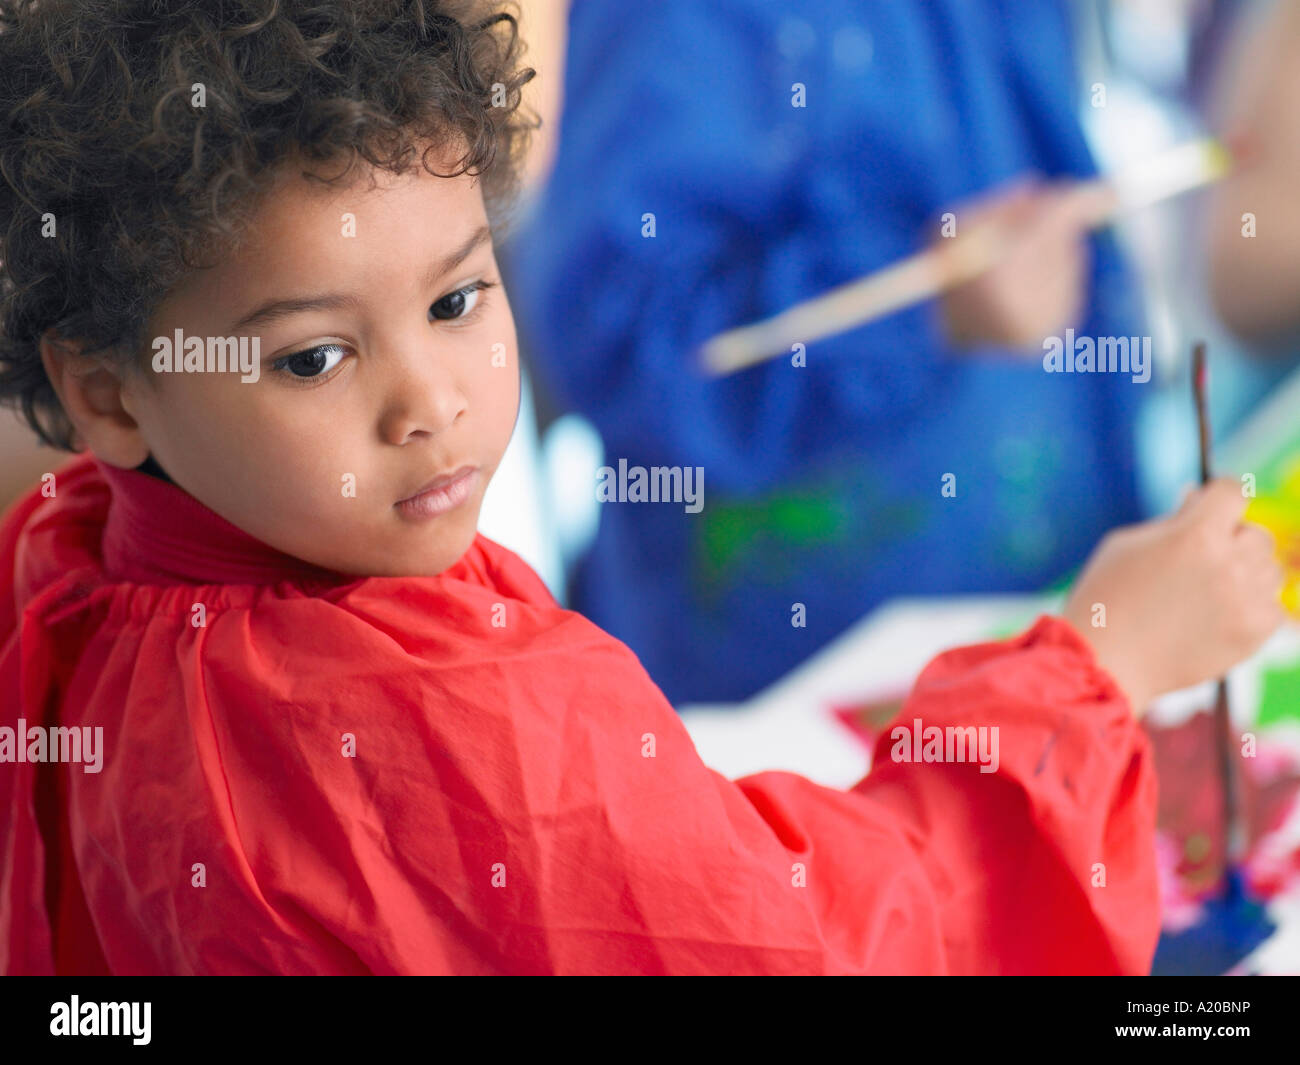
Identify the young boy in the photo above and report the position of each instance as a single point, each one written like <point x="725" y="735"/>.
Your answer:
<point x="271" y="705"/>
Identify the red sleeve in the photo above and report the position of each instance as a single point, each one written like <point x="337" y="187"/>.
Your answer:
<point x="539" y="808"/>
<point x="1048" y="864"/>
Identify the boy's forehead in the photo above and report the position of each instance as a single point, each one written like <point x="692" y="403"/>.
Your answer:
<point x="300" y="206"/>
<point x="306" y="234"/>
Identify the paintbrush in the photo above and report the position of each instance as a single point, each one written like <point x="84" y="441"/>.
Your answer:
<point x="1232" y="835"/>
<point x="952" y="262"/>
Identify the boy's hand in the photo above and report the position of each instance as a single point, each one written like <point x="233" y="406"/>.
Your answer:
<point x="1186" y="597"/>
<point x="1037" y="289"/>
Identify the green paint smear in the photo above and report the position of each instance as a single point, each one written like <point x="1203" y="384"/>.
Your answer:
<point x="801" y="519"/>
<point x="1280" y="698"/>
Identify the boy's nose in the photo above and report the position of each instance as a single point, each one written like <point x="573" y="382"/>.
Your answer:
<point x="423" y="397"/>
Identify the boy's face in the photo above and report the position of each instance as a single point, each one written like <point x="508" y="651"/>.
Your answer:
<point x="383" y="369"/>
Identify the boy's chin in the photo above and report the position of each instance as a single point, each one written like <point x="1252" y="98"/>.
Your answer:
<point x="403" y="550"/>
<point x="427" y="556"/>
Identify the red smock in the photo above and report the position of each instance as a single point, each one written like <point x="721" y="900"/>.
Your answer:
<point x="521" y="797"/>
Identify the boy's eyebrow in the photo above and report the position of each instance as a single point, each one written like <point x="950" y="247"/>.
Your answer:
<point x="438" y="269"/>
<point x="273" y="310"/>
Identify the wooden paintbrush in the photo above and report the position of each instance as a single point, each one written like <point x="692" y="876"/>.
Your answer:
<point x="1232" y="838"/>
<point x="951" y="263"/>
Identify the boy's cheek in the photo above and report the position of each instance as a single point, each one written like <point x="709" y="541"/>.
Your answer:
<point x="499" y="389"/>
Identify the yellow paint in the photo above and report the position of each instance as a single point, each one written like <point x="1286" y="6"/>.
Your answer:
<point x="1279" y="513"/>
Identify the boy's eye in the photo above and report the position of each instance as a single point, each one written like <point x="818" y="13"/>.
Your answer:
<point x="456" y="304"/>
<point x="311" y="363"/>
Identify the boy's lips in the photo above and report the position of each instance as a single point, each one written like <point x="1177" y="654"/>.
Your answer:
<point x="440" y="495"/>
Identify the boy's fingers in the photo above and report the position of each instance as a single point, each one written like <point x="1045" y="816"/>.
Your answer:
<point x="1219" y="503"/>
<point x="1256" y="540"/>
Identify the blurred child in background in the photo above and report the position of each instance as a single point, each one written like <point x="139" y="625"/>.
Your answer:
<point x="779" y="150"/>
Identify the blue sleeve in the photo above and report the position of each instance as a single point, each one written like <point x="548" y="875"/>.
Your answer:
<point x="683" y="111"/>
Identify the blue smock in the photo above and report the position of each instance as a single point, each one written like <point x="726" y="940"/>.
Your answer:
<point x="823" y="483"/>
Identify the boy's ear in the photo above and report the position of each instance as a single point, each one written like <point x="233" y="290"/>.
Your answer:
<point x="90" y="389"/>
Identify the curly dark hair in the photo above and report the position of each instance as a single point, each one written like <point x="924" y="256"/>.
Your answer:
<point x="114" y="182"/>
